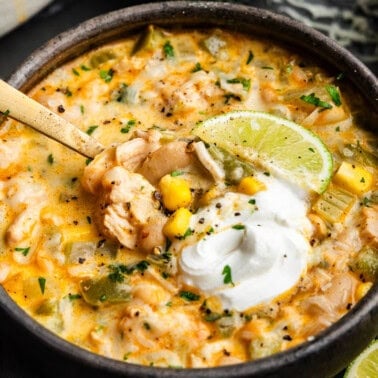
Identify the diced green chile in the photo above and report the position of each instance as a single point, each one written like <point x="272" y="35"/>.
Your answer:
<point x="149" y="39"/>
<point x="47" y="307"/>
<point x="366" y="263"/>
<point x="235" y="169"/>
<point x="362" y="155"/>
<point x="97" y="292"/>
<point x="101" y="57"/>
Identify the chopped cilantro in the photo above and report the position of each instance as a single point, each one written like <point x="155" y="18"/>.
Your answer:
<point x="88" y="161"/>
<point x="313" y="100"/>
<point x="107" y="75"/>
<point x="84" y="67"/>
<point x="42" y="284"/>
<point x="238" y="227"/>
<point x="168" y="50"/>
<point x="187" y="233"/>
<point x="75" y="72"/>
<point x="73" y="297"/>
<point x="82" y="109"/>
<point x="226" y="272"/>
<point x="189" y="296"/>
<point x="50" y="159"/>
<point x="334" y="94"/>
<point x="267" y="68"/>
<point x="128" y="126"/>
<point x="6" y="113"/>
<point x="197" y="67"/>
<point x="91" y="129"/>
<point x="116" y="275"/>
<point x="24" y="251"/>
<point x="311" y="149"/>
<point x="246" y="83"/>
<point x="252" y="201"/>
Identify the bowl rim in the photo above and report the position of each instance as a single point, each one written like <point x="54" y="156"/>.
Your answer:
<point x="107" y="27"/>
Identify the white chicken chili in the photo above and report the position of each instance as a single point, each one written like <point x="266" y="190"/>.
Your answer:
<point x="182" y="244"/>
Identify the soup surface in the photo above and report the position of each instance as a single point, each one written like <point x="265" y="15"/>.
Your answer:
<point x="169" y="250"/>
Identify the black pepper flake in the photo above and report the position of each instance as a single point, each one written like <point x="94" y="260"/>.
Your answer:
<point x="287" y="338"/>
<point x="226" y="352"/>
<point x="349" y="306"/>
<point x="81" y="260"/>
<point x="218" y="205"/>
<point x="237" y="214"/>
<point x="61" y="109"/>
<point x="201" y="220"/>
<point x="75" y="222"/>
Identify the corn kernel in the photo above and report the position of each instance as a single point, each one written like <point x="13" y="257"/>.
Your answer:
<point x="175" y="192"/>
<point x="178" y="223"/>
<point x="354" y="178"/>
<point x="73" y="233"/>
<point x="250" y="185"/>
<point x="363" y="289"/>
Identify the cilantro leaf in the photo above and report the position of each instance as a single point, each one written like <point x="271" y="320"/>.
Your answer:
<point x="227" y="279"/>
<point x="313" y="100"/>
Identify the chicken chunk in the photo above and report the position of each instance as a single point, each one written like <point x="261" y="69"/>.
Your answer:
<point x="369" y="227"/>
<point x="129" y="155"/>
<point x="126" y="206"/>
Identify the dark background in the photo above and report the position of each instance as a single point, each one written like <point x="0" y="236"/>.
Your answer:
<point x="18" y="350"/>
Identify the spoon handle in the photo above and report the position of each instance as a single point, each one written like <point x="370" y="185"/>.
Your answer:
<point x="24" y="109"/>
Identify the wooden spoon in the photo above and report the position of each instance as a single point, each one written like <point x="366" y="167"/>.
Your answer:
<point x="22" y="108"/>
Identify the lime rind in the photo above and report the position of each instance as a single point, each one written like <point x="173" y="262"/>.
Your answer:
<point x="295" y="152"/>
<point x="365" y="363"/>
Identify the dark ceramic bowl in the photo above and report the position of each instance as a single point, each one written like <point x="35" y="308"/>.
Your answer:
<point x="330" y="351"/>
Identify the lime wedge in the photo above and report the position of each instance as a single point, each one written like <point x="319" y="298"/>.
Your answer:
<point x="366" y="364"/>
<point x="277" y="144"/>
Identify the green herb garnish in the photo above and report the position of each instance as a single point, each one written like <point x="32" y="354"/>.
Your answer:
<point x="73" y="297"/>
<point x="189" y="296"/>
<point x="238" y="227"/>
<point x="91" y="129"/>
<point x="227" y="279"/>
<point x="84" y="67"/>
<point x="334" y="94"/>
<point x="197" y="67"/>
<point x="50" y="159"/>
<point x="168" y="50"/>
<point x="313" y="100"/>
<point x="246" y="83"/>
<point x="107" y="75"/>
<point x="24" y="251"/>
<point x="128" y="126"/>
<point x="75" y="72"/>
<point x="42" y="284"/>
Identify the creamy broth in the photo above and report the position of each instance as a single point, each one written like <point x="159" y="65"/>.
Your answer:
<point x="153" y="253"/>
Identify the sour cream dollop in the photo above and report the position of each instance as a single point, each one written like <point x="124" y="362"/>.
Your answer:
<point x="263" y="239"/>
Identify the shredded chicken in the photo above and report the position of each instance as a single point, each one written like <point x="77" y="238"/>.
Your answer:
<point x="126" y="205"/>
<point x="130" y="155"/>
